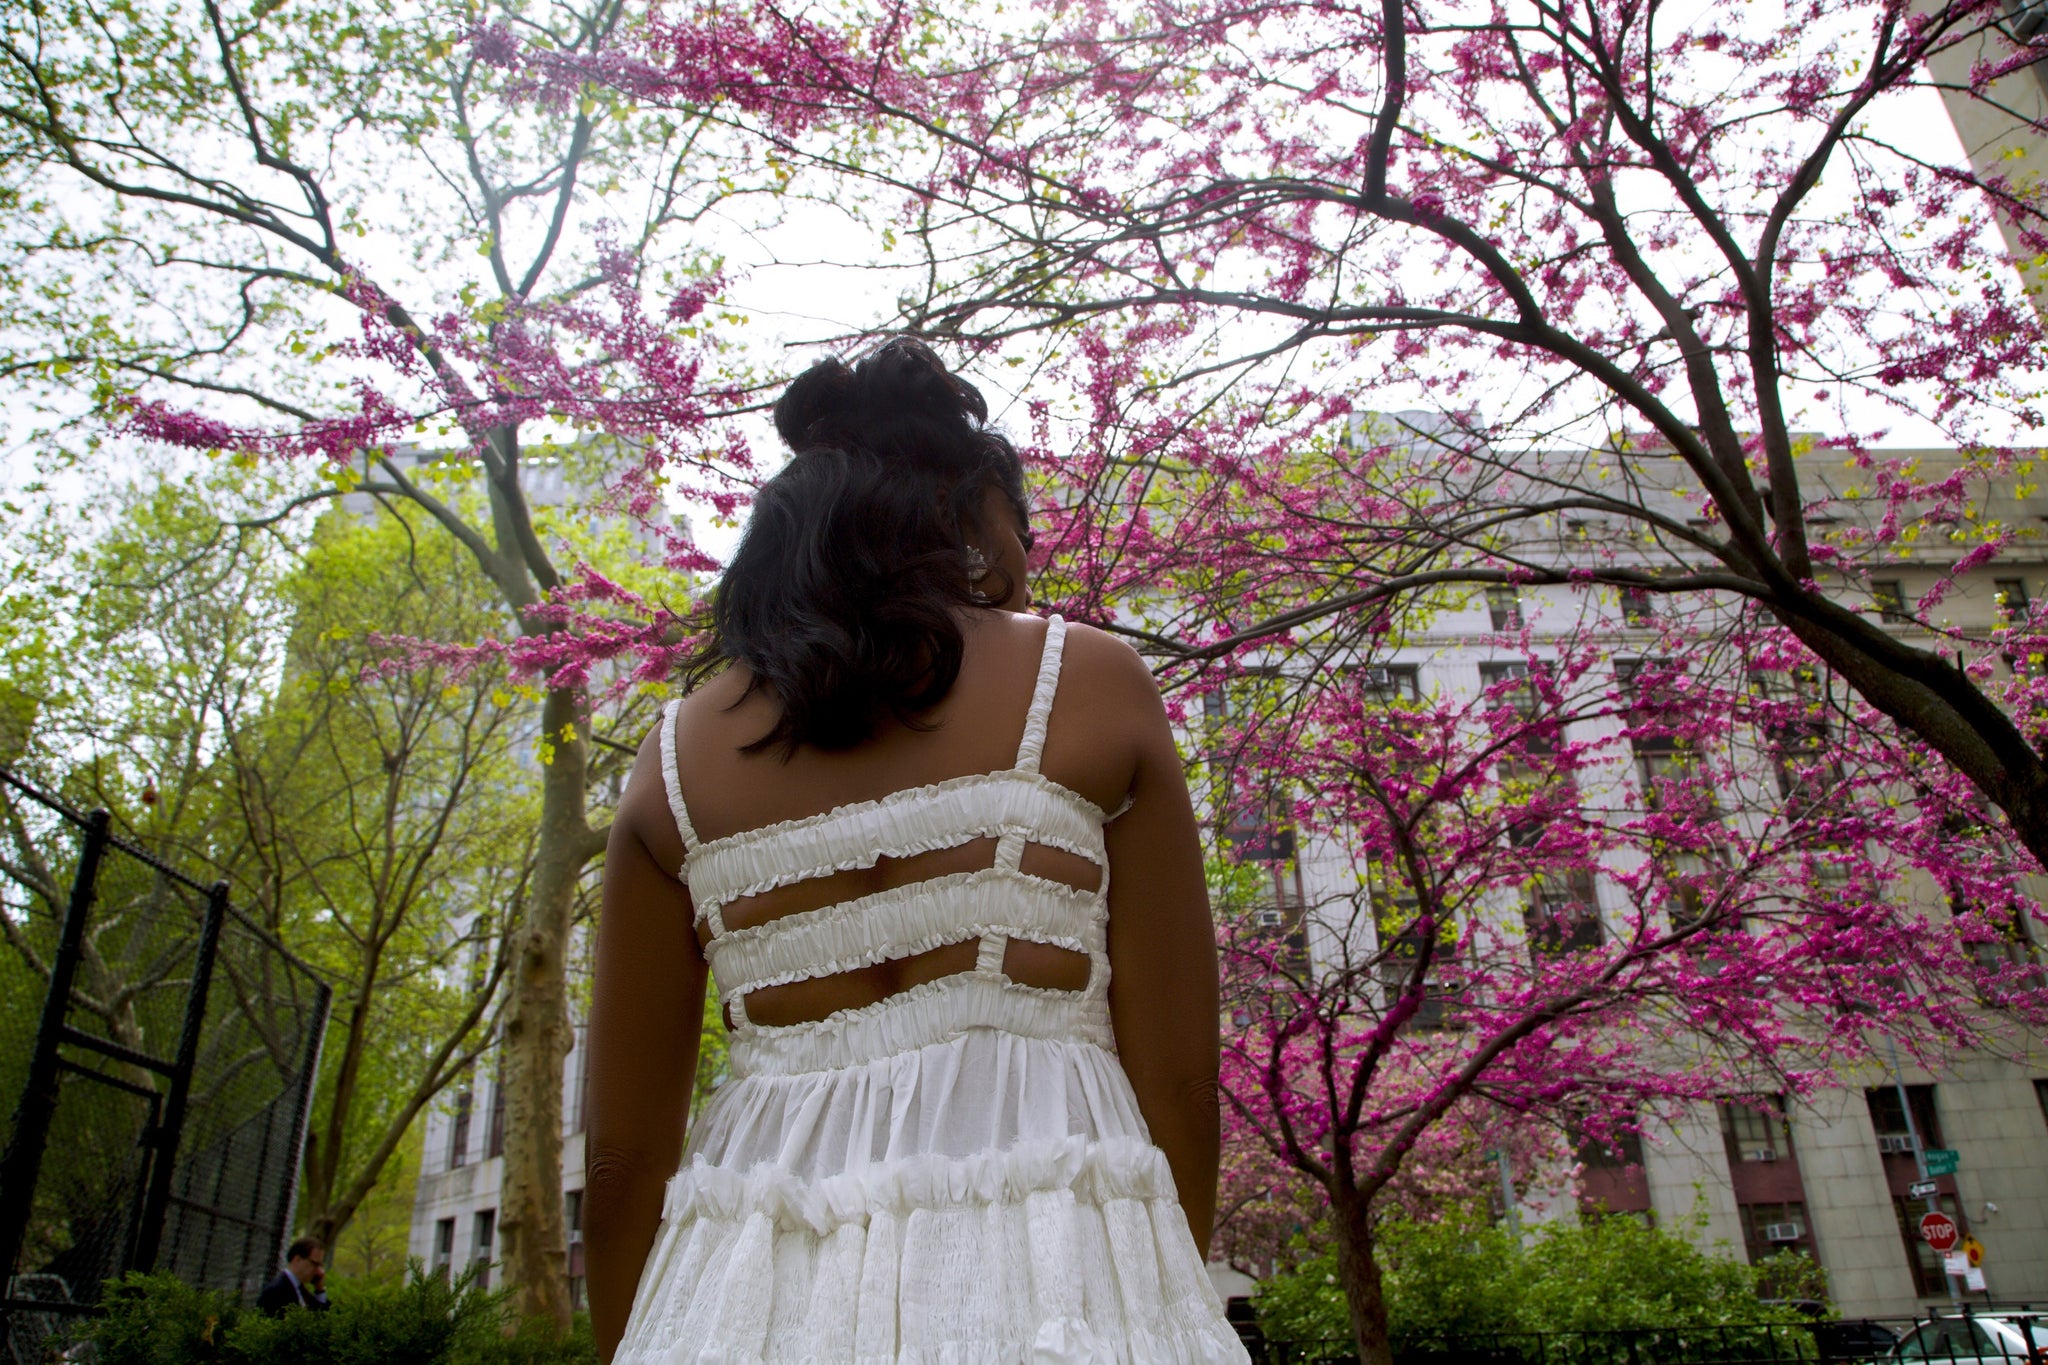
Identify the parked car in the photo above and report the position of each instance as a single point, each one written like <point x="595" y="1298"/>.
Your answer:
<point x="1978" y="1339"/>
<point x="1853" y="1341"/>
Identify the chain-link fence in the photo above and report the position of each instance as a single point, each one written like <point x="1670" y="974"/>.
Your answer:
<point x="157" y="1055"/>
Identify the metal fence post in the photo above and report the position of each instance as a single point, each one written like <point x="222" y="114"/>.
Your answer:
<point x="164" y="1136"/>
<point x="24" y="1157"/>
<point x="302" y="1116"/>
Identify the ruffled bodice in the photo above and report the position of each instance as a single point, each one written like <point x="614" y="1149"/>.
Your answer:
<point x="957" y="1173"/>
<point x="1016" y="806"/>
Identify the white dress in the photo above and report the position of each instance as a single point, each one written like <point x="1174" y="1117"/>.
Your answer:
<point x="956" y="1174"/>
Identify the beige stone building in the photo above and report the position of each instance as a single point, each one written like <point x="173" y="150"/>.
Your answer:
<point x="1833" y="1177"/>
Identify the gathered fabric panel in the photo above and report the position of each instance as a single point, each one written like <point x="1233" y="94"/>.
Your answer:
<point x="933" y="1012"/>
<point x="1072" y="1252"/>
<point x="902" y="922"/>
<point x="901" y="825"/>
<point x="980" y="1091"/>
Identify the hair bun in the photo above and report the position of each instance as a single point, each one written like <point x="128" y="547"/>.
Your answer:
<point x="888" y="402"/>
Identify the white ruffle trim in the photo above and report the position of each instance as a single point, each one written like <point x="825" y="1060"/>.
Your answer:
<point x="1096" y="1170"/>
<point x="902" y="824"/>
<point x="1062" y="1252"/>
<point x="933" y="1012"/>
<point x="902" y="922"/>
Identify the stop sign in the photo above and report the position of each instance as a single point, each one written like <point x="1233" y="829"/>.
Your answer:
<point x="1939" y="1231"/>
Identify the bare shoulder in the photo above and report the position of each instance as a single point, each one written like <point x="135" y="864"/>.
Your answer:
<point x="1109" y="665"/>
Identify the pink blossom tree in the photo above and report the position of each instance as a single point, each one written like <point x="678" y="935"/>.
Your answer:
<point x="1687" y="239"/>
<point x="1602" y="887"/>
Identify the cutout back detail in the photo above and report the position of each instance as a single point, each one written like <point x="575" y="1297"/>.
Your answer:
<point x="921" y="903"/>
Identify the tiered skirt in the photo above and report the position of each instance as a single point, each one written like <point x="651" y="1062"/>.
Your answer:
<point x="990" y="1198"/>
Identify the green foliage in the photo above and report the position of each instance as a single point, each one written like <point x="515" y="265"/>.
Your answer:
<point x="1620" y="1272"/>
<point x="428" y="1320"/>
<point x="1792" y="1275"/>
<point x="1304" y="1303"/>
<point x="1450" y="1278"/>
<point x="160" y="1320"/>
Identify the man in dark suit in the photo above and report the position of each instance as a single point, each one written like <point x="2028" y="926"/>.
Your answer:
<point x="302" y="1282"/>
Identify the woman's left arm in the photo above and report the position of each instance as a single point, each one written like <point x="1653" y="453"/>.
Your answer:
<point x="646" y="1014"/>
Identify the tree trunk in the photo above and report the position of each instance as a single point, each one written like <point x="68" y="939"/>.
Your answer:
<point x="324" y="1145"/>
<point x="1358" y="1275"/>
<point x="536" y="1030"/>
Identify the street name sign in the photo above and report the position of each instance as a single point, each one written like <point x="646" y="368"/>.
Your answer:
<point x="1943" y="1160"/>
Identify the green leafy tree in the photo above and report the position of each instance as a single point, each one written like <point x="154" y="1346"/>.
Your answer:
<point x="387" y="831"/>
<point x="330" y="229"/>
<point x="245" y="722"/>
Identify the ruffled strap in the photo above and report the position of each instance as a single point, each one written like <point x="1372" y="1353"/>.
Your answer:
<point x="1033" y="745"/>
<point x="671" y="779"/>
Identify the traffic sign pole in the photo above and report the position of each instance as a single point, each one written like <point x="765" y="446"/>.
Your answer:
<point x="1955" y="1298"/>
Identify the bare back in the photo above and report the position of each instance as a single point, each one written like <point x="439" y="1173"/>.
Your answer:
<point x="1069" y="961"/>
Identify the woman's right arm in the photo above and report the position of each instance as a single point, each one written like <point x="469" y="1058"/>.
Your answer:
<point x="1163" y="989"/>
<point x="646" y="1014"/>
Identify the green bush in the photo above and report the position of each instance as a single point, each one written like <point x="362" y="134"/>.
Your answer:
<point x="429" y="1320"/>
<point x="1304" y="1303"/>
<point x="1452" y="1279"/>
<point x="160" y="1320"/>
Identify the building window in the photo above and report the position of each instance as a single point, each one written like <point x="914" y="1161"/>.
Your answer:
<point x="484" y="1231"/>
<point x="1504" y="608"/>
<point x="1650" y="708"/>
<point x="572" y="1220"/>
<point x="444" y="1246"/>
<point x="1390" y="684"/>
<point x="1611" y="1174"/>
<point x="1755" y="1129"/>
<point x="1638" y="607"/>
<point x="1562" y="914"/>
<point x="1996" y="940"/>
<point x="2023" y="25"/>
<point x="2011" y="596"/>
<point x="1929" y="1279"/>
<point x="1439" y="985"/>
<point x="1509" y="684"/>
<point x="494" y="1131"/>
<point x="2041" y="1094"/>
<point x="1890" y="596"/>
<point x="1770" y="1228"/>
<point x="580" y="1062"/>
<point x="458" y="1132"/>
<point x="1888" y="1118"/>
<point x="1672" y="781"/>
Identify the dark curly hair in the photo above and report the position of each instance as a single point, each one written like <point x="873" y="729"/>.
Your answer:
<point x="841" y="598"/>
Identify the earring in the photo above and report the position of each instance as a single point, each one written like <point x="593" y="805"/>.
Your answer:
<point x="977" y="564"/>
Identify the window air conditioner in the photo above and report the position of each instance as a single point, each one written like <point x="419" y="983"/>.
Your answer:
<point x="1761" y="1154"/>
<point x="1269" y="919"/>
<point x="1377" y="676"/>
<point x="1895" y="1144"/>
<point x="1783" y="1232"/>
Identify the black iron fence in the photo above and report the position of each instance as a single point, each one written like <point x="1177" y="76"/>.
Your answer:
<point x="157" y="1056"/>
